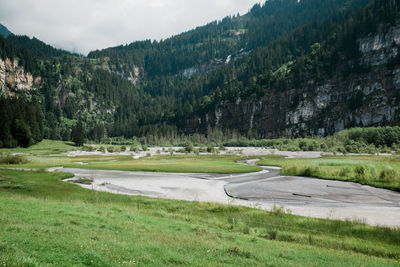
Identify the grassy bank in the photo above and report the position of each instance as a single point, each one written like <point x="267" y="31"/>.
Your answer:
<point x="378" y="171"/>
<point x="45" y="147"/>
<point x="46" y="221"/>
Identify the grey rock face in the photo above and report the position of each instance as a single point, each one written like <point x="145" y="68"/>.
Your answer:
<point x="379" y="48"/>
<point x="14" y="79"/>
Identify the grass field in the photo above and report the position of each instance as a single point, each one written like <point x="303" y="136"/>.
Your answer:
<point x="45" y="221"/>
<point x="378" y="171"/>
<point x="45" y="147"/>
<point x="186" y="163"/>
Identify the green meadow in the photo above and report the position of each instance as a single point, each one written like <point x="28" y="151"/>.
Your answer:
<point x="175" y="163"/>
<point x="45" y="221"/>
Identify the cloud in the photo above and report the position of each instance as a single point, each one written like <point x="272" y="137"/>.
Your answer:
<point x="85" y="25"/>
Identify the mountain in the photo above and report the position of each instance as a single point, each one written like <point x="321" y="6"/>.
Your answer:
<point x="287" y="68"/>
<point x="4" y="31"/>
<point x="221" y="41"/>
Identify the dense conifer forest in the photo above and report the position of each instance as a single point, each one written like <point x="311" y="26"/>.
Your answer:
<point x="150" y="88"/>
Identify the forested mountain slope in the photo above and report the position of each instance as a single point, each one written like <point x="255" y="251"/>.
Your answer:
<point x="222" y="41"/>
<point x="336" y="76"/>
<point x="287" y="67"/>
<point x="4" y="31"/>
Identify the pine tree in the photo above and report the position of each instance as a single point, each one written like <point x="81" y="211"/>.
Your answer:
<point x="78" y="133"/>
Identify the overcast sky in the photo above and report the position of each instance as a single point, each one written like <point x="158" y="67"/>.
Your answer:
<point x="85" y="25"/>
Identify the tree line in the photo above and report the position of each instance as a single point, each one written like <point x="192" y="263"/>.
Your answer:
<point x="21" y="123"/>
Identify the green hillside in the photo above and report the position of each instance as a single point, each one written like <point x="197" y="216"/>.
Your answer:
<point x="283" y="48"/>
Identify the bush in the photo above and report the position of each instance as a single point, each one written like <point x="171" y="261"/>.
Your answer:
<point x="12" y="159"/>
<point x="102" y="149"/>
<point x="303" y="145"/>
<point x="110" y="149"/>
<point x="387" y="175"/>
<point x="359" y="172"/>
<point x="292" y="170"/>
<point x="344" y="172"/>
<point x="312" y="146"/>
<point x="309" y="172"/>
<point x="88" y="148"/>
<point x="123" y="148"/>
<point x="189" y="147"/>
<point x="210" y="149"/>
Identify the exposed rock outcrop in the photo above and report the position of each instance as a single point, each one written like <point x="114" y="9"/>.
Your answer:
<point x="371" y="98"/>
<point x="379" y="48"/>
<point x="14" y="79"/>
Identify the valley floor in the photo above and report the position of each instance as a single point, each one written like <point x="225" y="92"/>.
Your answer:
<point x="264" y="190"/>
<point x="47" y="221"/>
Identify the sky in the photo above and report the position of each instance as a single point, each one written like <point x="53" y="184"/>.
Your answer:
<point x="85" y="25"/>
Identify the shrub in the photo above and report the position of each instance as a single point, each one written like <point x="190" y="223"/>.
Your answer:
<point x="189" y="147"/>
<point x="102" y="149"/>
<point x="210" y="148"/>
<point x="309" y="171"/>
<point x="344" y="172"/>
<point x="323" y="147"/>
<point x="273" y="234"/>
<point x="110" y="149"/>
<point x="279" y="210"/>
<point x="312" y="146"/>
<point x="303" y="145"/>
<point x="291" y="169"/>
<point x="12" y="159"/>
<point x="387" y="175"/>
<point x="359" y="172"/>
<point x="88" y="148"/>
<point x="123" y="148"/>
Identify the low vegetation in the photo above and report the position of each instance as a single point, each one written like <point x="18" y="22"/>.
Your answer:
<point x="161" y="163"/>
<point x="356" y="140"/>
<point x="8" y="158"/>
<point x="378" y="171"/>
<point x="45" y="221"/>
<point x="45" y="147"/>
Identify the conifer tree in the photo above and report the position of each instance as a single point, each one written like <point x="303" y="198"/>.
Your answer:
<point x="78" y="133"/>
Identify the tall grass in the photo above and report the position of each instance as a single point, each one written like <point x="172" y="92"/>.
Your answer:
<point x="8" y="158"/>
<point x="378" y="171"/>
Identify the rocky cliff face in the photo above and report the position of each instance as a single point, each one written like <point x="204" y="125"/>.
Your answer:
<point x="14" y="79"/>
<point x="380" y="48"/>
<point x="368" y="99"/>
